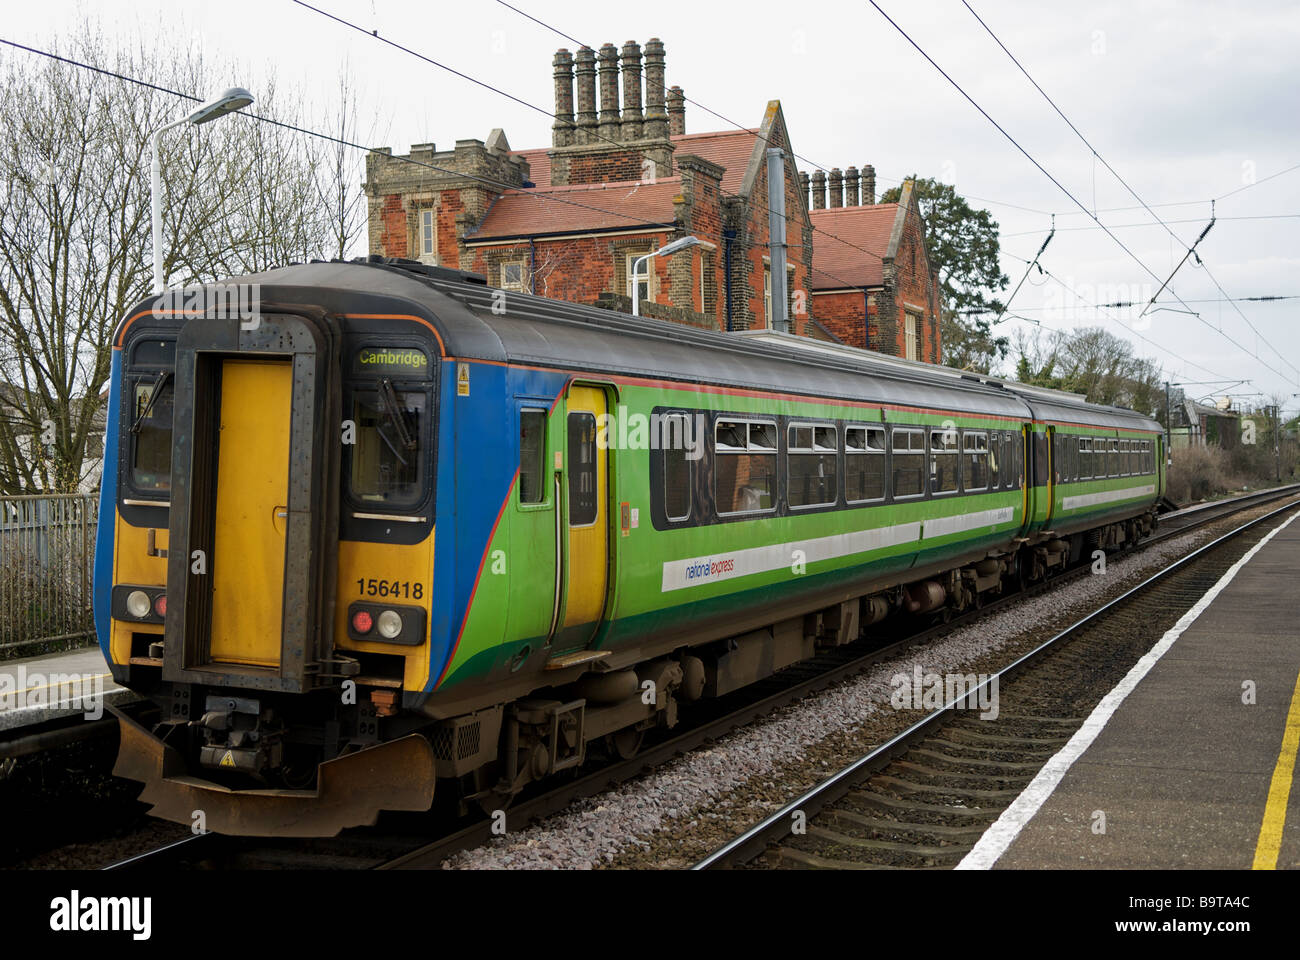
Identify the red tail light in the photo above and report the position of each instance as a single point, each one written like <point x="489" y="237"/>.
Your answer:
<point x="362" y="622"/>
<point x="160" y="605"/>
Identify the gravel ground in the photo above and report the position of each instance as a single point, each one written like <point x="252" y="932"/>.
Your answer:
<point x="678" y="813"/>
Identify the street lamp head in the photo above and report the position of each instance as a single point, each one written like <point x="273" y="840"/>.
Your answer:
<point x="676" y="245"/>
<point x="234" y="99"/>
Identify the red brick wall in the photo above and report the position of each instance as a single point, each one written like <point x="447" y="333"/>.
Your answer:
<point x="841" y="314"/>
<point x="609" y="167"/>
<point x="913" y="283"/>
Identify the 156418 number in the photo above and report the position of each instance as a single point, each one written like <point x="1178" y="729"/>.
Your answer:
<point x="378" y="587"/>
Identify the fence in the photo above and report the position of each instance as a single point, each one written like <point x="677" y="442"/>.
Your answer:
<point x="47" y="548"/>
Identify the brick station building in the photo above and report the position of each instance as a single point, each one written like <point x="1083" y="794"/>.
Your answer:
<point x="621" y="179"/>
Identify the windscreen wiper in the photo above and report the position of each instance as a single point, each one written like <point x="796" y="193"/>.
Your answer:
<point x="162" y="378"/>
<point x="393" y="415"/>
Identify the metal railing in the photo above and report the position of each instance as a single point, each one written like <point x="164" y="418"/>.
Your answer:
<point x="47" y="545"/>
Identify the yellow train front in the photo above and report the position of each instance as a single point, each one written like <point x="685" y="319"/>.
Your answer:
<point x="225" y="533"/>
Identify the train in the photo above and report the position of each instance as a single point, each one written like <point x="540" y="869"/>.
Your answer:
<point x="386" y="531"/>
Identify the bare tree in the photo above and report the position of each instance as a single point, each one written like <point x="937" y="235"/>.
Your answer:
<point x="241" y="196"/>
<point x="1093" y="362"/>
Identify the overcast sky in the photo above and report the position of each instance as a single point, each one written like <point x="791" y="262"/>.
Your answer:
<point x="1187" y="101"/>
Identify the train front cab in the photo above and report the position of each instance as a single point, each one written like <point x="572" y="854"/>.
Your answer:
<point x="225" y="519"/>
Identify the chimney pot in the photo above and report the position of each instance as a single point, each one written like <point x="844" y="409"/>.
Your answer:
<point x="837" y="187"/>
<point x="676" y="112"/>
<point x="819" y="190"/>
<point x="609" y="117"/>
<point x="806" y="185"/>
<point x="562" y="131"/>
<point x="631" y="126"/>
<point x="656" y="113"/>
<point x="851" y="187"/>
<point x="585" y="67"/>
<point x="868" y="185"/>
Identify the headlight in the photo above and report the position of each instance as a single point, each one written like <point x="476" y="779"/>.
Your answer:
<point x="137" y="604"/>
<point x="390" y="624"/>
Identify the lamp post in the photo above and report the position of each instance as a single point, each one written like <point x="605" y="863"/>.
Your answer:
<point x="236" y="98"/>
<point x="665" y="250"/>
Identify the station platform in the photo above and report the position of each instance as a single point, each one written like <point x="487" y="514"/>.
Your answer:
<point x="1185" y="773"/>
<point x="34" y="690"/>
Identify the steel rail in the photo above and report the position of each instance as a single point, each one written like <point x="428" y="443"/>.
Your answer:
<point x="756" y="839"/>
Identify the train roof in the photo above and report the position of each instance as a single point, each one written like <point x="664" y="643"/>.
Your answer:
<point x="539" y="331"/>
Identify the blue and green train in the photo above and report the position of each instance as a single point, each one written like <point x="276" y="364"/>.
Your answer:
<point x="373" y="528"/>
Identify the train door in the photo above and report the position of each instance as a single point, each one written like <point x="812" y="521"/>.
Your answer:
<point x="585" y="496"/>
<point x="1053" y="473"/>
<point x="253" y="525"/>
<point x="252" y="497"/>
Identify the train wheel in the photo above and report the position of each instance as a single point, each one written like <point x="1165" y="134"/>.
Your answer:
<point x="626" y="743"/>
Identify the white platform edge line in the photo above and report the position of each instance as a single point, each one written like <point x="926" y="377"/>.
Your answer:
<point x="997" y="839"/>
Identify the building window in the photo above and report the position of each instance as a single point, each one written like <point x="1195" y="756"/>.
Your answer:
<point x="911" y="337"/>
<point x="767" y="295"/>
<point x="428" y="236"/>
<point x="514" y="275"/>
<point x="638" y="277"/>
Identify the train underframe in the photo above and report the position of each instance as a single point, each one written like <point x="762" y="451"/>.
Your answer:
<point x="237" y="762"/>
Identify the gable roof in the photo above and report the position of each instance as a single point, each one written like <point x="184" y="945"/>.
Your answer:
<point x="729" y="149"/>
<point x="839" y="263"/>
<point x="580" y="209"/>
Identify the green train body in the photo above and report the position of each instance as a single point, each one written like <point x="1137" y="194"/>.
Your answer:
<point x="552" y="527"/>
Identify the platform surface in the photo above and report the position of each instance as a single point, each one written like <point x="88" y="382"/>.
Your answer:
<point x="1182" y="770"/>
<point x="36" y="689"/>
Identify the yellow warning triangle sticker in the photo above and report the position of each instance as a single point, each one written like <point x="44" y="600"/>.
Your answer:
<point x="228" y="760"/>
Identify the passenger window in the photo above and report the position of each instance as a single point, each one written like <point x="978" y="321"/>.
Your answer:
<point x="812" y="458"/>
<point x="532" y="456"/>
<point x="943" y="461"/>
<point x="975" y="448"/>
<point x="864" y="464"/>
<point x="677" y="469"/>
<point x="744" y="466"/>
<point x="908" y="463"/>
<point x="583" y="506"/>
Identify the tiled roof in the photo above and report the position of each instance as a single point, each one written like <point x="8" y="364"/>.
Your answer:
<point x="580" y="209"/>
<point x="539" y="165"/>
<point x="730" y="149"/>
<point x="839" y="263"/>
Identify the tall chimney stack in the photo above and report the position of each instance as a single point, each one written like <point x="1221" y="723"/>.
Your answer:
<point x="609" y="120"/>
<point x="851" y="187"/>
<point x="837" y="187"/>
<point x="806" y="186"/>
<point x="656" y="113"/>
<point x="586" y="71"/>
<point x="676" y="112"/>
<point x="819" y="190"/>
<point x="868" y="185"/>
<point x="562" y="132"/>
<point x="631" y="91"/>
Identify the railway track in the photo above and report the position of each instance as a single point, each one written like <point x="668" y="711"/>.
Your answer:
<point x="383" y="847"/>
<point x="924" y="798"/>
